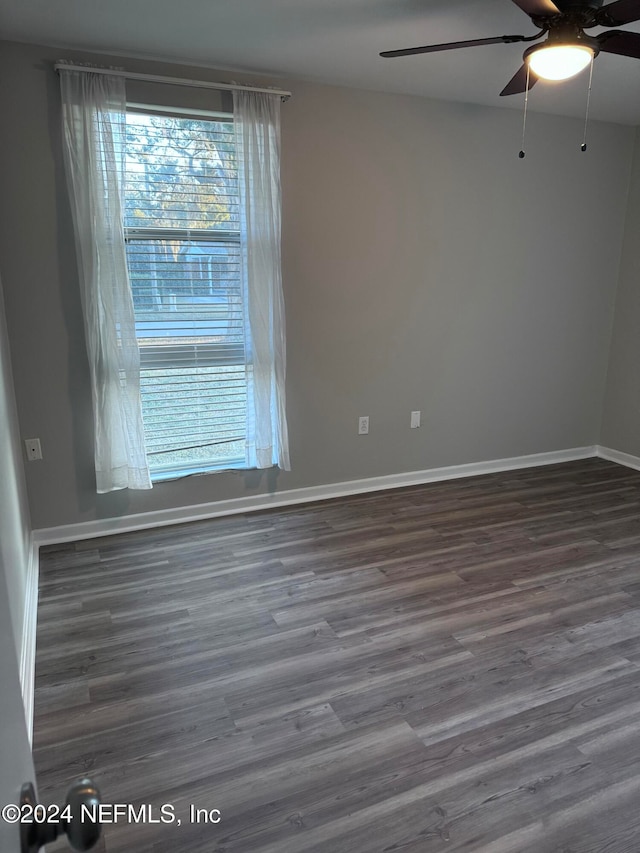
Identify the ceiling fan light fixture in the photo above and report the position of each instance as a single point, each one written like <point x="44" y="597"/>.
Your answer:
<point x="559" y="61"/>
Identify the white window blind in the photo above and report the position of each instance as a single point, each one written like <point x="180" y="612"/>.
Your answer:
<point x="183" y="251"/>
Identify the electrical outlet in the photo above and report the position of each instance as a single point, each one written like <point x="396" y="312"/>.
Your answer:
<point x="34" y="450"/>
<point x="363" y="425"/>
<point x="415" y="420"/>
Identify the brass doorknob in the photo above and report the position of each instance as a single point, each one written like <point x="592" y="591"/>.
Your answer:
<point x="79" y="821"/>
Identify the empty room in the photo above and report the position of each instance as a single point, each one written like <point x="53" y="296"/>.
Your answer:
<point x="320" y="426"/>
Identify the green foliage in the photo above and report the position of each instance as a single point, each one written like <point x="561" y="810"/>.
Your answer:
<point x="181" y="173"/>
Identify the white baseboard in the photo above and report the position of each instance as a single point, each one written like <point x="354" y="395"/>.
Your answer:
<point x="618" y="456"/>
<point x="197" y="512"/>
<point x="29" y="627"/>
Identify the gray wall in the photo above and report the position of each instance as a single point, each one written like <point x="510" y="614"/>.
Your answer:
<point x="425" y="267"/>
<point x="14" y="511"/>
<point x="621" y="417"/>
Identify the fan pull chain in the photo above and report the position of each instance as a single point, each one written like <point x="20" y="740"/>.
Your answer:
<point x="524" y="119"/>
<point x="583" y="147"/>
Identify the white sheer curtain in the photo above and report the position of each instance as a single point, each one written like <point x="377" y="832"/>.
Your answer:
<point x="257" y="131"/>
<point x="94" y="123"/>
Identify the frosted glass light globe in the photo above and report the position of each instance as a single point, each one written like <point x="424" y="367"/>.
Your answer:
<point x="559" y="62"/>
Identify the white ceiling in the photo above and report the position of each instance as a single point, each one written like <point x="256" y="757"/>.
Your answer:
<point x="331" y="41"/>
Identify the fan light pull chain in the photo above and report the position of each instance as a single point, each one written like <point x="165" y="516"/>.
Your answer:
<point x="583" y="147"/>
<point x="524" y="120"/>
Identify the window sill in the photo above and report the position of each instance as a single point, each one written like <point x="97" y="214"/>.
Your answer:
<point x="163" y="476"/>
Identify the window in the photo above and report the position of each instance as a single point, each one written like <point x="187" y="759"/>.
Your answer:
<point x="182" y="232"/>
<point x="194" y="281"/>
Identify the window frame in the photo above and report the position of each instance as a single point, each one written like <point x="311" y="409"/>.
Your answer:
<point x="156" y="357"/>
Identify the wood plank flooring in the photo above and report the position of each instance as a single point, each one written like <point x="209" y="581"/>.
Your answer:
<point x="447" y="667"/>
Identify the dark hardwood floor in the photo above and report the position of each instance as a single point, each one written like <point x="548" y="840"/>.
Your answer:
<point x="446" y="667"/>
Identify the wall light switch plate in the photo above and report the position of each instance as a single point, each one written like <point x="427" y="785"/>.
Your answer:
<point x="415" y="420"/>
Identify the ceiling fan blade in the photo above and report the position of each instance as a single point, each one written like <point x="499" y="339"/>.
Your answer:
<point x="566" y="6"/>
<point x="537" y="7"/>
<point x="621" y="42"/>
<point x="621" y="12"/>
<point x="452" y="45"/>
<point x="518" y="82"/>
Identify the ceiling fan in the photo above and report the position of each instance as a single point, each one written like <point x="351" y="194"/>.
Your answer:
<point x="567" y="48"/>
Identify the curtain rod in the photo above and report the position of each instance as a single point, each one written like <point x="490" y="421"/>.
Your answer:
<point x="172" y="81"/>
